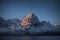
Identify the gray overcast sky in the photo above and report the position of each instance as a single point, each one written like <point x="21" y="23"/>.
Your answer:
<point x="44" y="9"/>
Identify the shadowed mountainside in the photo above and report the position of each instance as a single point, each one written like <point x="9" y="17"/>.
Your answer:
<point x="29" y="25"/>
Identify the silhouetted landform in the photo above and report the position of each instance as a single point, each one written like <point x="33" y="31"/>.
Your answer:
<point x="49" y="33"/>
<point x="30" y="25"/>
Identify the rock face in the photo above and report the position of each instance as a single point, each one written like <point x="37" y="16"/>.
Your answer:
<point x="3" y="22"/>
<point x="30" y="19"/>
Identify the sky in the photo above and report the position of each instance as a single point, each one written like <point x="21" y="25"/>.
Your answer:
<point x="45" y="10"/>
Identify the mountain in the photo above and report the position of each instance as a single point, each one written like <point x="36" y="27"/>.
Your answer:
<point x="9" y="25"/>
<point x="29" y="25"/>
<point x="14" y="22"/>
<point x="9" y="22"/>
<point x="33" y="24"/>
<point x="56" y="26"/>
<point x="30" y="19"/>
<point x="3" y="22"/>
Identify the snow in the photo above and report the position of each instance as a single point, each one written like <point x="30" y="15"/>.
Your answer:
<point x="30" y="23"/>
<point x="31" y="29"/>
<point x="30" y="19"/>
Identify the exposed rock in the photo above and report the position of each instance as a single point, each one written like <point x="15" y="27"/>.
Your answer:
<point x="15" y="22"/>
<point x="30" y="19"/>
<point x="3" y="22"/>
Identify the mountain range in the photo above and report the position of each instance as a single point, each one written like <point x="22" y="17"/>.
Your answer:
<point x="29" y="25"/>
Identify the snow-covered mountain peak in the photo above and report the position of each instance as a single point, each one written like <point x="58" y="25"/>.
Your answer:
<point x="30" y="19"/>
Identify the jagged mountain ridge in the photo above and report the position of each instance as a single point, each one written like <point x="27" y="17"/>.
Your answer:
<point x="29" y="24"/>
<point x="34" y="25"/>
<point x="3" y="22"/>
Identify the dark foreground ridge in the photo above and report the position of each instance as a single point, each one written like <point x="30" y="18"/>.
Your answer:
<point x="27" y="34"/>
